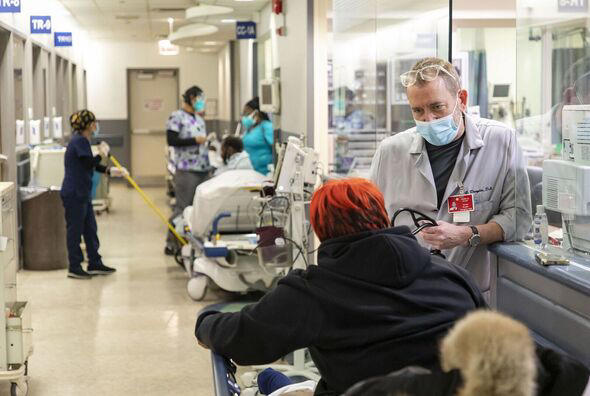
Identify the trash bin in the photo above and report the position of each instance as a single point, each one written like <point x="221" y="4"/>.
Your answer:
<point x="44" y="229"/>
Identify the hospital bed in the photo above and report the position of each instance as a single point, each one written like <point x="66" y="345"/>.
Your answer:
<point x="246" y="231"/>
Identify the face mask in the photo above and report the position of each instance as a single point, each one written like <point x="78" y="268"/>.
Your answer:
<point x="97" y="130"/>
<point x="439" y="132"/>
<point x="199" y="105"/>
<point x="247" y="122"/>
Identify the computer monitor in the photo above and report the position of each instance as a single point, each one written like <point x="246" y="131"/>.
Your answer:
<point x="501" y="91"/>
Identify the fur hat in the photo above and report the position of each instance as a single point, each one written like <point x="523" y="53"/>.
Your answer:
<point x="495" y="354"/>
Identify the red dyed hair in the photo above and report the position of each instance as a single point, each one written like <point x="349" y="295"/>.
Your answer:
<point x="345" y="207"/>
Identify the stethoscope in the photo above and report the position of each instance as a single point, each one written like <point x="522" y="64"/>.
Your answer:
<point x="421" y="221"/>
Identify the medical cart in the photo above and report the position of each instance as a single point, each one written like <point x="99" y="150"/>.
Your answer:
<point x="15" y="323"/>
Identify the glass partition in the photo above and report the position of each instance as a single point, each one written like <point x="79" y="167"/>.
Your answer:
<point x="491" y="84"/>
<point x="373" y="43"/>
<point x="553" y="90"/>
<point x="19" y="111"/>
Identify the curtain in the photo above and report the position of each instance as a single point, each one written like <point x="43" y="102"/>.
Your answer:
<point x="478" y="81"/>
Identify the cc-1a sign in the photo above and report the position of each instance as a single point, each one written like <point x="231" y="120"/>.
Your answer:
<point x="245" y="30"/>
<point x="10" y="6"/>
<point x="40" y="24"/>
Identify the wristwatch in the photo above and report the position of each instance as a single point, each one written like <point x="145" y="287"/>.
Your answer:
<point x="475" y="238"/>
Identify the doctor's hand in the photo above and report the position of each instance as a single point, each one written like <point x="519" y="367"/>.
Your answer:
<point x="446" y="235"/>
<point x="200" y="139"/>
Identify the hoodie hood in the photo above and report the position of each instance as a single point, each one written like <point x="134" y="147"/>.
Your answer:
<point x="391" y="257"/>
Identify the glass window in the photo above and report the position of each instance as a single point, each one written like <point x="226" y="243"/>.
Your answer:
<point x="553" y="80"/>
<point x="373" y="43"/>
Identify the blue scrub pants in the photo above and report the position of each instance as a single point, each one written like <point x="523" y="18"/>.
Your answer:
<point x="80" y="221"/>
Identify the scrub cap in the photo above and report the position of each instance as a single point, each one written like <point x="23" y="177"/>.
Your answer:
<point x="81" y="120"/>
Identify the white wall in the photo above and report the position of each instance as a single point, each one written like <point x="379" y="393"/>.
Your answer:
<point x="108" y="61"/>
<point x="246" y="57"/>
<point x="224" y="83"/>
<point x="293" y="64"/>
<point x="289" y="54"/>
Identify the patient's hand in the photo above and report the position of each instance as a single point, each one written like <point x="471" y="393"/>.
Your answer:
<point x="446" y="235"/>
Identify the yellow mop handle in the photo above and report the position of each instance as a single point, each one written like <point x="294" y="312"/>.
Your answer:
<point x="149" y="201"/>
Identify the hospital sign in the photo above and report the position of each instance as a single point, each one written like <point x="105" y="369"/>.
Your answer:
<point x="10" y="6"/>
<point x="572" y="6"/>
<point x="40" y="24"/>
<point x="63" y="39"/>
<point x="245" y="30"/>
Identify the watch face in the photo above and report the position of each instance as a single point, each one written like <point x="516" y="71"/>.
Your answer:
<point x="474" y="240"/>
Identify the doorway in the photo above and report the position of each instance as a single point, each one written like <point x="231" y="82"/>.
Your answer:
<point x="152" y="95"/>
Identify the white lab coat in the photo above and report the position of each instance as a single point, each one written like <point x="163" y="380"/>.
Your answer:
<point x="490" y="165"/>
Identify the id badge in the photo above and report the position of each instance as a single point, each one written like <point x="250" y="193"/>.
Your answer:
<point x="461" y="206"/>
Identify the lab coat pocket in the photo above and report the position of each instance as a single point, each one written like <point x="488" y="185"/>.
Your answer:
<point x="482" y="197"/>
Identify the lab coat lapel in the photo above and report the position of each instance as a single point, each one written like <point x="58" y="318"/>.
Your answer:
<point x="421" y="162"/>
<point x="472" y="141"/>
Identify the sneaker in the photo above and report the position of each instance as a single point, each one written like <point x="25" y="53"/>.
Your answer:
<point x="100" y="269"/>
<point x="78" y="273"/>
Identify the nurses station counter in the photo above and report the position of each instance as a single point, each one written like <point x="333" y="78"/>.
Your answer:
<point x="553" y="301"/>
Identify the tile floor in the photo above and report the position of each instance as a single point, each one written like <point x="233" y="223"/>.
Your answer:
<point x="126" y="334"/>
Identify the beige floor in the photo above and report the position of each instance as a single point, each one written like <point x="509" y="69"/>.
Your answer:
<point x="126" y="334"/>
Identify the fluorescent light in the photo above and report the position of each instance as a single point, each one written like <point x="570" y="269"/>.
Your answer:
<point x="210" y="43"/>
<point x="228" y="21"/>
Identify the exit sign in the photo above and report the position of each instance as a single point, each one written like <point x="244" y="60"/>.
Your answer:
<point x="9" y="5"/>
<point x="572" y="6"/>
<point x="40" y="24"/>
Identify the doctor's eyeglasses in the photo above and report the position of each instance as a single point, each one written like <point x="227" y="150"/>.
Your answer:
<point x="427" y="73"/>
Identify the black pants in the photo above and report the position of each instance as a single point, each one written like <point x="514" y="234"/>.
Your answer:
<point x="80" y="221"/>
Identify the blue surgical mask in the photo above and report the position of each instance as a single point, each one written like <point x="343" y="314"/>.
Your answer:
<point x="199" y="105"/>
<point x="247" y="122"/>
<point x="97" y="130"/>
<point x="440" y="131"/>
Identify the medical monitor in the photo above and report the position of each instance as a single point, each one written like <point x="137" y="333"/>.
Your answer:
<point x="270" y="101"/>
<point x="501" y="91"/>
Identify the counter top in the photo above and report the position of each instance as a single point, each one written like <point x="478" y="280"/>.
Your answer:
<point x="6" y="186"/>
<point x="575" y="275"/>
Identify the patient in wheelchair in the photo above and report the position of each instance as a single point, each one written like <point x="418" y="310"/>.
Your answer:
<point x="375" y="303"/>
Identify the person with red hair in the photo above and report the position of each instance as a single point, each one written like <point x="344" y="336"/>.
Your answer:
<point x="375" y="302"/>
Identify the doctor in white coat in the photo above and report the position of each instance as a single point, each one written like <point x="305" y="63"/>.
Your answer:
<point x="468" y="174"/>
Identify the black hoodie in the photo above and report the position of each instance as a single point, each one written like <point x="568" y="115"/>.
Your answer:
<point x="375" y="303"/>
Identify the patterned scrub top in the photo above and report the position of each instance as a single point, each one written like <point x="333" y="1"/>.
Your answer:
<point x="189" y="158"/>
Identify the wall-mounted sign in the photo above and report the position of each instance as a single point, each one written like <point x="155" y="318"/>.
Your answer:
<point x="9" y="5"/>
<point x="62" y="39"/>
<point x="35" y="132"/>
<point x="153" y="104"/>
<point x="40" y="24"/>
<point x="46" y="127"/>
<point x="20" y="132"/>
<point x="57" y="131"/>
<point x="245" y="30"/>
<point x="166" y="48"/>
<point x="572" y="6"/>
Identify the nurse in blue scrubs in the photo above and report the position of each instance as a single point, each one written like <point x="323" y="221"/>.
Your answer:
<point x="77" y="199"/>
<point x="258" y="136"/>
